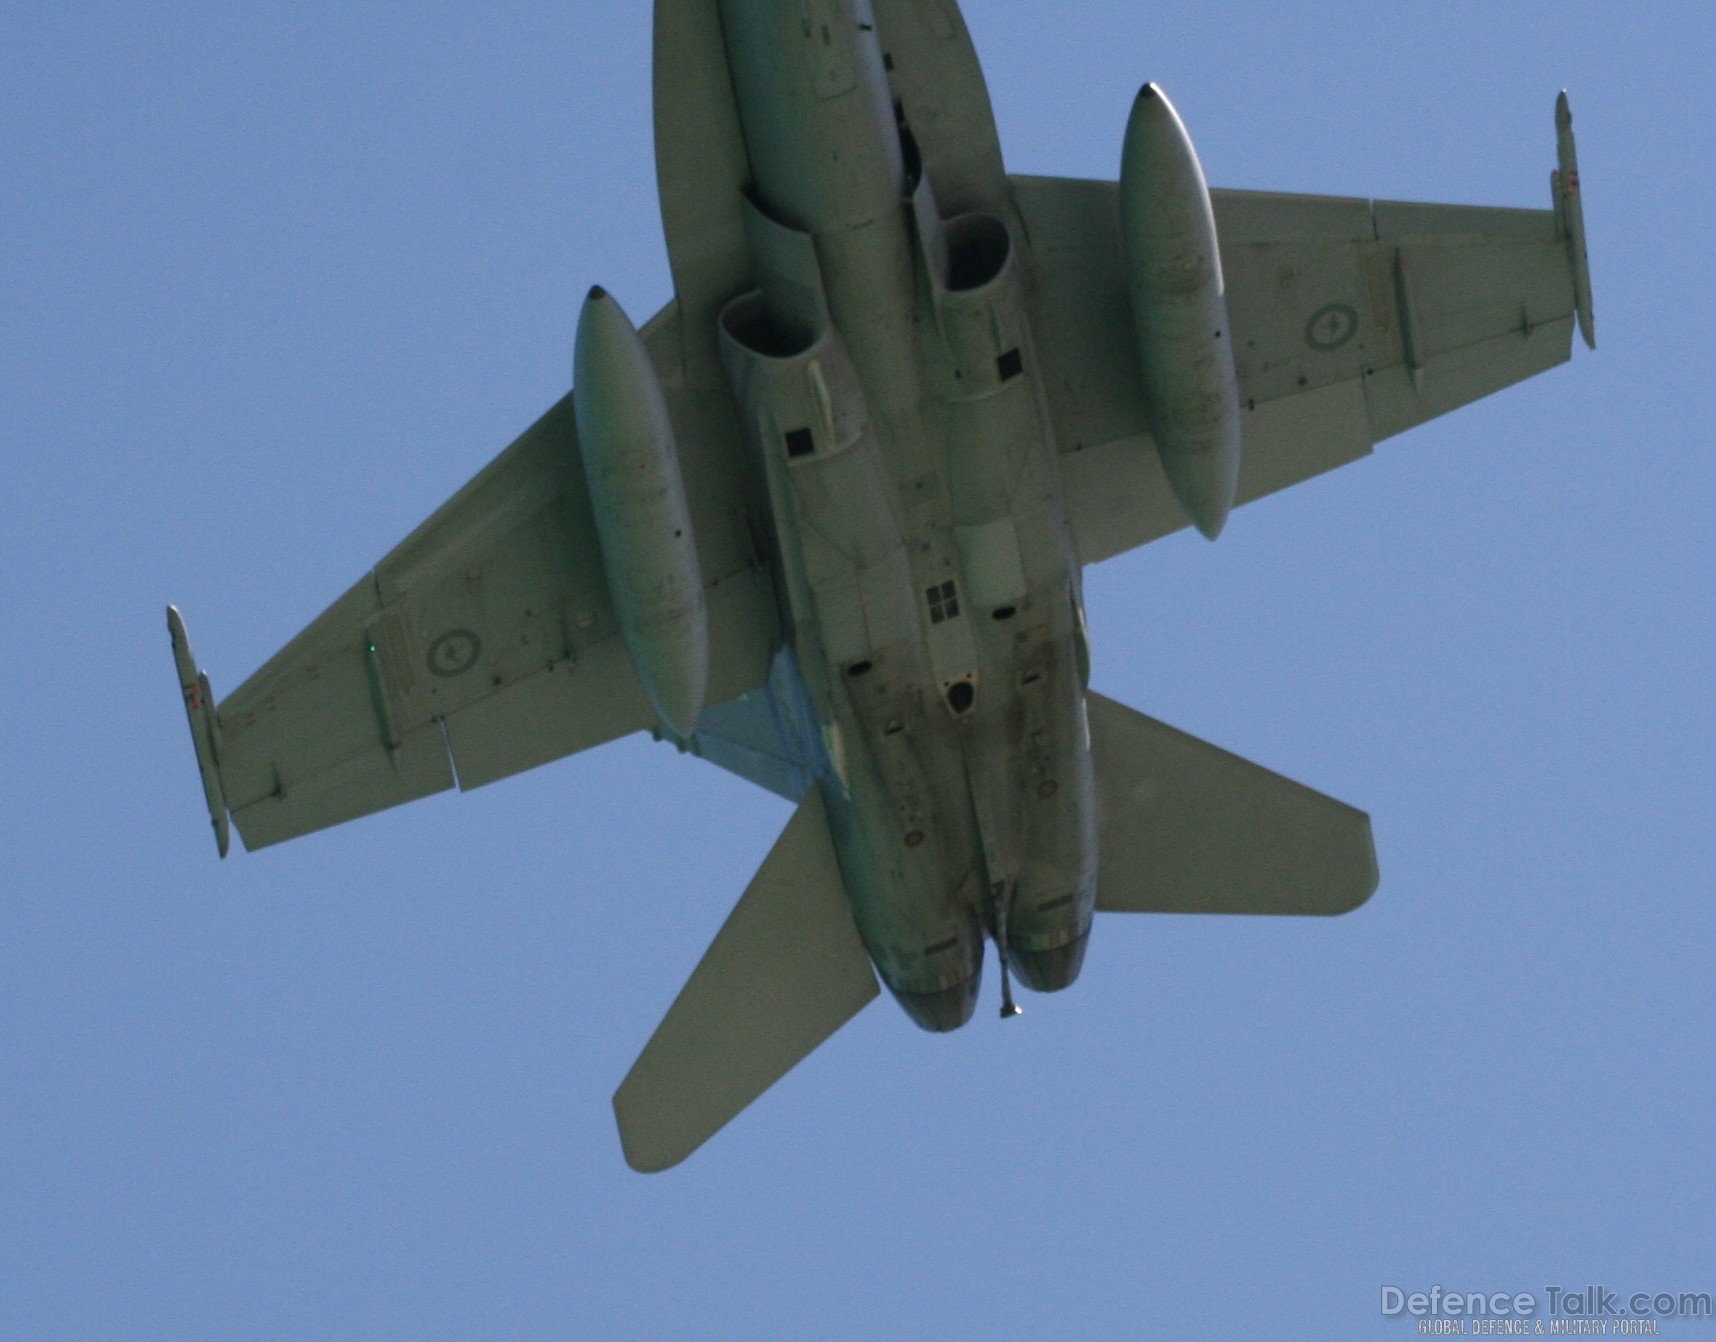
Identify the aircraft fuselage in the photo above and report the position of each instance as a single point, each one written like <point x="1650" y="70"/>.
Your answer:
<point x="884" y="372"/>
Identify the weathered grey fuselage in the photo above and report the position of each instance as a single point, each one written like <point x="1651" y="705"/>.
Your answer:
<point x="883" y="370"/>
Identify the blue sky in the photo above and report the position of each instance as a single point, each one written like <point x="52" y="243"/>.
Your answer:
<point x="275" y="280"/>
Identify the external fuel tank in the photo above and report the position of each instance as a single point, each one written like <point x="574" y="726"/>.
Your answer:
<point x="1179" y="310"/>
<point x="625" y="438"/>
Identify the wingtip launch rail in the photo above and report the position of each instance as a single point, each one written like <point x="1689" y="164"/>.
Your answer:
<point x="205" y="727"/>
<point x="1570" y="215"/>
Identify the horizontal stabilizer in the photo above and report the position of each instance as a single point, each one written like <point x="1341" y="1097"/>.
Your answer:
<point x="1189" y="828"/>
<point x="785" y="972"/>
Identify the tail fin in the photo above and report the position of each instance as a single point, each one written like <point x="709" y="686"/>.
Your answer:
<point x="1189" y="828"/>
<point x="785" y="972"/>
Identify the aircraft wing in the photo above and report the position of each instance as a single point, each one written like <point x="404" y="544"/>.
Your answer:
<point x="485" y="643"/>
<point x="1352" y="321"/>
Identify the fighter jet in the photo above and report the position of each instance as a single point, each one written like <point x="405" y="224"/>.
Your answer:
<point x="823" y="522"/>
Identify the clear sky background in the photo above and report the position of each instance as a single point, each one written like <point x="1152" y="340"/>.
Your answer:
<point x="276" y="279"/>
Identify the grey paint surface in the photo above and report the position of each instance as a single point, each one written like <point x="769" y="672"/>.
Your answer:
<point x="975" y="435"/>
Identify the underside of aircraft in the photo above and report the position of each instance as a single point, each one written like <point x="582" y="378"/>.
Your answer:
<point x="823" y="521"/>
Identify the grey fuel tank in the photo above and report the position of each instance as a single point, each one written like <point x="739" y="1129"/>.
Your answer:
<point x="643" y="523"/>
<point x="1179" y="309"/>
